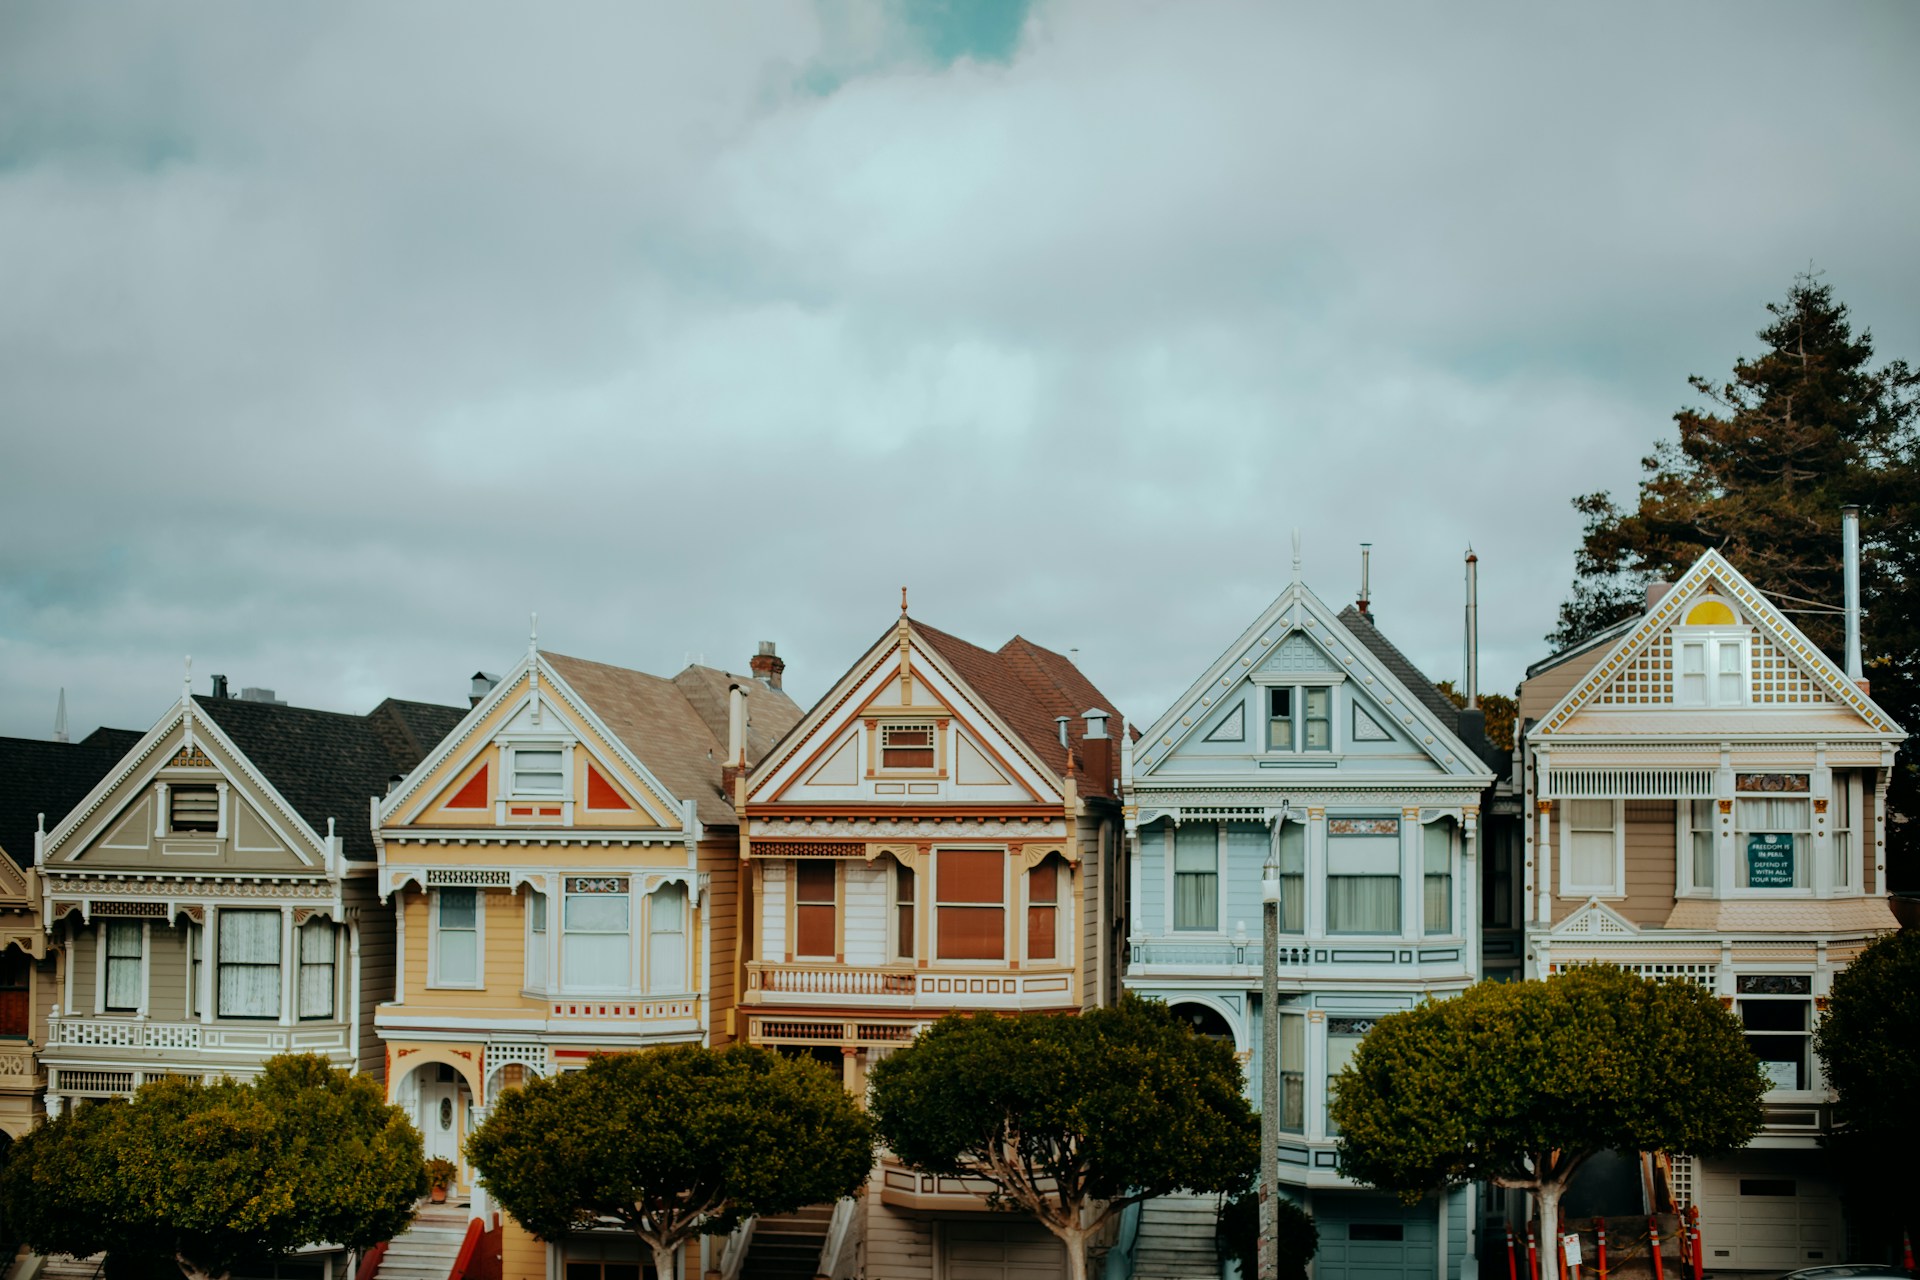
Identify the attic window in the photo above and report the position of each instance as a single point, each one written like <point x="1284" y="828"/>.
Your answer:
<point x="193" y="809"/>
<point x="537" y="770"/>
<point x="906" y="746"/>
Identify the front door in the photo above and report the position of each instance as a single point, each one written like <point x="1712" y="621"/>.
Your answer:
<point x="440" y="1118"/>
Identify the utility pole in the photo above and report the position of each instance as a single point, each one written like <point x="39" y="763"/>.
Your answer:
<point x="1270" y="1055"/>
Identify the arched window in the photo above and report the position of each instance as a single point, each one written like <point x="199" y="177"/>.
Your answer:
<point x="667" y="940"/>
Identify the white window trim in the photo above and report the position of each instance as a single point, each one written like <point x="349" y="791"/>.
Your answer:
<point x="1712" y="638"/>
<point x="1010" y="945"/>
<point x="893" y="912"/>
<point x="1299" y="682"/>
<point x="880" y="766"/>
<point x="512" y="751"/>
<point x="1684" y="887"/>
<point x="1851" y="784"/>
<point x="100" y="972"/>
<point x="1809" y="853"/>
<point x="557" y="924"/>
<point x="645" y="932"/>
<point x="1062" y="916"/>
<point x="479" y="943"/>
<point x="548" y="986"/>
<point x="1563" y="854"/>
<point x="1219" y="930"/>
<point x="1817" y="1090"/>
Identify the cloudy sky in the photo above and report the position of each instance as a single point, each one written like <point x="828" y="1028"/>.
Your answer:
<point x="335" y="339"/>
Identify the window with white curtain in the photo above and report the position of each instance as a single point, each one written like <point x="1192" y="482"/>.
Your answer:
<point x="1840" y="821"/>
<point x="249" y="943"/>
<point x="536" y="940"/>
<point x="1698" y="858"/>
<point x="1293" y="877"/>
<point x="196" y="949"/>
<point x="316" y="968"/>
<point x="596" y="941"/>
<point x="1437" y="846"/>
<point x="1590" y="841"/>
<point x="126" y="946"/>
<point x="1293" y="1072"/>
<point x="1363" y="875"/>
<point x="1770" y="836"/>
<point x="1196" y="877"/>
<point x="667" y="939"/>
<point x="456" y="938"/>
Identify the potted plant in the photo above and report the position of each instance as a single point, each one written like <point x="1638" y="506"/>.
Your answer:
<point x="441" y="1172"/>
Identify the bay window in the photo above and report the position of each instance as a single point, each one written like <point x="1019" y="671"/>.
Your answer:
<point x="815" y="909"/>
<point x="1292" y="856"/>
<point x="316" y="939"/>
<point x="596" y="944"/>
<point x="1043" y="910"/>
<point x="1293" y="1072"/>
<point x="1770" y="837"/>
<point x="1343" y="1037"/>
<point x="536" y="940"/>
<point x="1699" y="859"/>
<point x="456" y="938"/>
<point x="1776" y="1011"/>
<point x="903" y="900"/>
<point x="1840" y="823"/>
<point x="969" y="909"/>
<point x="1196" y="877"/>
<point x="125" y="956"/>
<point x="667" y="939"/>
<point x="1363" y="875"/>
<point x="1437" y="846"/>
<point x="249" y="960"/>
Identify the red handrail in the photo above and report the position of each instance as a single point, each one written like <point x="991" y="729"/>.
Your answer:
<point x="370" y="1262"/>
<point x="475" y="1229"/>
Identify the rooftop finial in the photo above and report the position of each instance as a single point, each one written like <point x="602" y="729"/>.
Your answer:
<point x="533" y="633"/>
<point x="903" y="600"/>
<point x="60" y="717"/>
<point x="186" y="680"/>
<point x="1296" y="553"/>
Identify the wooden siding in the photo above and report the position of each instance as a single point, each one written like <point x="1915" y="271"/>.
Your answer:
<point x="83" y="955"/>
<point x="899" y="1244"/>
<point x="523" y="1255"/>
<point x="167" y="973"/>
<point x="503" y="964"/>
<point x="1539" y="694"/>
<point x="719" y="861"/>
<point x="773" y="911"/>
<point x="1651" y="861"/>
<point x="1093" y="964"/>
<point x="375" y="972"/>
<point x="1150" y="913"/>
<point x="864" y="907"/>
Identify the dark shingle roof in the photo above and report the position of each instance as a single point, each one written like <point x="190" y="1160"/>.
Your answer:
<point x="328" y="763"/>
<point x="1028" y="687"/>
<point x="1473" y="737"/>
<point x="39" y="777"/>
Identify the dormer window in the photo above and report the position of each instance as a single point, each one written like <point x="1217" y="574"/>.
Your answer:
<point x="906" y="746"/>
<point x="193" y="809"/>
<point x="1300" y="718"/>
<point x="538" y="771"/>
<point x="1710" y="657"/>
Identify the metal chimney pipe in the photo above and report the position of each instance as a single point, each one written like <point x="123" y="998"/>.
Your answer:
<point x="737" y="726"/>
<point x="1472" y="671"/>
<point x="1850" y="557"/>
<point x="1366" y="555"/>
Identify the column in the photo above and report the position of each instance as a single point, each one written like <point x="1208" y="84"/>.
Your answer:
<point x="1316" y="877"/>
<point x="1413" y="867"/>
<point x="1466" y="892"/>
<point x="207" y="968"/>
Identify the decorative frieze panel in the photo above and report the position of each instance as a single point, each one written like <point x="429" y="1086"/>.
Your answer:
<point x="468" y="878"/>
<point x="70" y="889"/>
<point x="130" y="910"/>
<point x="1629" y="784"/>
<point x="596" y="884"/>
<point x="1645" y="680"/>
<point x="916" y="829"/>
<point x="190" y="757"/>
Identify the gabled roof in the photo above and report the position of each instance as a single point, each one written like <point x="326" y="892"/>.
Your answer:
<point x="678" y="728"/>
<point x="1474" y="736"/>
<point x="39" y="777"/>
<point x="327" y="764"/>
<point x="1028" y="687"/>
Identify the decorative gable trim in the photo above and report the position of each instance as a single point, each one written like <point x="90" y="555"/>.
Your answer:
<point x="1630" y="654"/>
<point x="1595" y="919"/>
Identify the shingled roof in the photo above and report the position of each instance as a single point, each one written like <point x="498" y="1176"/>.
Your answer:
<point x="37" y="776"/>
<point x="1473" y="737"/>
<point x="1029" y="687"/>
<point x="329" y="763"/>
<point x="678" y="728"/>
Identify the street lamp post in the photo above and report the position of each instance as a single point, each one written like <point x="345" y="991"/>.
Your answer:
<point x="1270" y="1056"/>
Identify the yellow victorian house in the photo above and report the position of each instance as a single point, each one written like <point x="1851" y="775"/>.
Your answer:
<point x="564" y="871"/>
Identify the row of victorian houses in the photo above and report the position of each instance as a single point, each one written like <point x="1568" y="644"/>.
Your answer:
<point x="587" y="858"/>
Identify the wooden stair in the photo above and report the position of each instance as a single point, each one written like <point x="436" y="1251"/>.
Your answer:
<point x="788" y="1247"/>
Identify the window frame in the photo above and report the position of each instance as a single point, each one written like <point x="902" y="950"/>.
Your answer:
<point x="1844" y="792"/>
<point x="177" y="789"/>
<point x="1809" y="1060"/>
<point x="902" y="934"/>
<point x="1300" y="688"/>
<point x="1563" y="851"/>
<point x="220" y="964"/>
<point x="1219" y="898"/>
<point x="567" y="983"/>
<point x="539" y="941"/>
<point x="1450" y="873"/>
<point x="1399" y="877"/>
<point x="795" y="904"/>
<point x="684" y="894"/>
<point x="1059" y="905"/>
<point x="1803" y="854"/>
<point x="1712" y="641"/>
<point x="514" y="791"/>
<point x="437" y="979"/>
<point x="884" y="727"/>
<point x="1004" y="906"/>
<point x="301" y="933"/>
<point x="106" y="958"/>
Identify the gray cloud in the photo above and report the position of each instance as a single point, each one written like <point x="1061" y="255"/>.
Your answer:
<point x="333" y="341"/>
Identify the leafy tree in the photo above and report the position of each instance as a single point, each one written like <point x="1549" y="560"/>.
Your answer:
<point x="1500" y="711"/>
<point x="672" y="1143"/>
<point x="1070" y="1119"/>
<point x="1519" y="1083"/>
<point x="1237" y="1235"/>
<point x="1869" y="1042"/>
<point x="213" y="1175"/>
<point x="1760" y="472"/>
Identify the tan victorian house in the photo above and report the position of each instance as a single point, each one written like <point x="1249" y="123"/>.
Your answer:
<point x="1706" y="802"/>
<point x="939" y="834"/>
<point x="39" y="782"/>
<point x="564" y="872"/>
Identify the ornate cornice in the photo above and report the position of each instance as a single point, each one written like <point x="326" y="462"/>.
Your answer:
<point x="906" y="829"/>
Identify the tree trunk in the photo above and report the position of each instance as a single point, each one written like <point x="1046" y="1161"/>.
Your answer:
<point x="1075" y="1238"/>
<point x="194" y="1271"/>
<point x="1549" y="1196"/>
<point x="663" y="1260"/>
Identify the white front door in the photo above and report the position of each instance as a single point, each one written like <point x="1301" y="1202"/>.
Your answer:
<point x="439" y="1119"/>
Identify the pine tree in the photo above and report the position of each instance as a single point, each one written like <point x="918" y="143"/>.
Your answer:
<point x="1760" y="472"/>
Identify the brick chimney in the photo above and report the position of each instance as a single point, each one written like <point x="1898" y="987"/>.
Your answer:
<point x="767" y="667"/>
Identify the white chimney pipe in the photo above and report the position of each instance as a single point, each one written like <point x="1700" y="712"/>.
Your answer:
<point x="737" y="726"/>
<point x="1850" y="556"/>
<point x="1472" y="672"/>
<point x="1366" y="555"/>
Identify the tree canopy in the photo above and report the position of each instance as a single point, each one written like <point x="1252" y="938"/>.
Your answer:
<point x="213" y="1175"/>
<point x="1760" y="471"/>
<point x="1519" y="1083"/>
<point x="1869" y="1042"/>
<point x="1070" y="1118"/>
<point x="672" y="1143"/>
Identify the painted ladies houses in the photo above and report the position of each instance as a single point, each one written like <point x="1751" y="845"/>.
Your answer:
<point x="564" y="871"/>
<point x="213" y="895"/>
<point x="936" y="835"/>
<point x="1312" y="741"/>
<point x="39" y="780"/>
<point x="1706" y="800"/>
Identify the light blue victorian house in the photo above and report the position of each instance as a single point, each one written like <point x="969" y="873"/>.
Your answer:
<point x="1314" y="738"/>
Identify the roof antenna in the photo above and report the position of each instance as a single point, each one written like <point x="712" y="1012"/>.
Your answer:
<point x="1296" y="553"/>
<point x="60" y="717"/>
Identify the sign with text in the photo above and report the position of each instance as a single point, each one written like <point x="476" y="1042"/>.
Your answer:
<point x="1770" y="861"/>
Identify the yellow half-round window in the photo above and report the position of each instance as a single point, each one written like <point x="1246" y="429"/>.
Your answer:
<point x="1710" y="613"/>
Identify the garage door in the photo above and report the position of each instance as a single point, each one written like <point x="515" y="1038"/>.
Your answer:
<point x="1000" y="1249"/>
<point x="1768" y="1216"/>
<point x="1363" y="1238"/>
